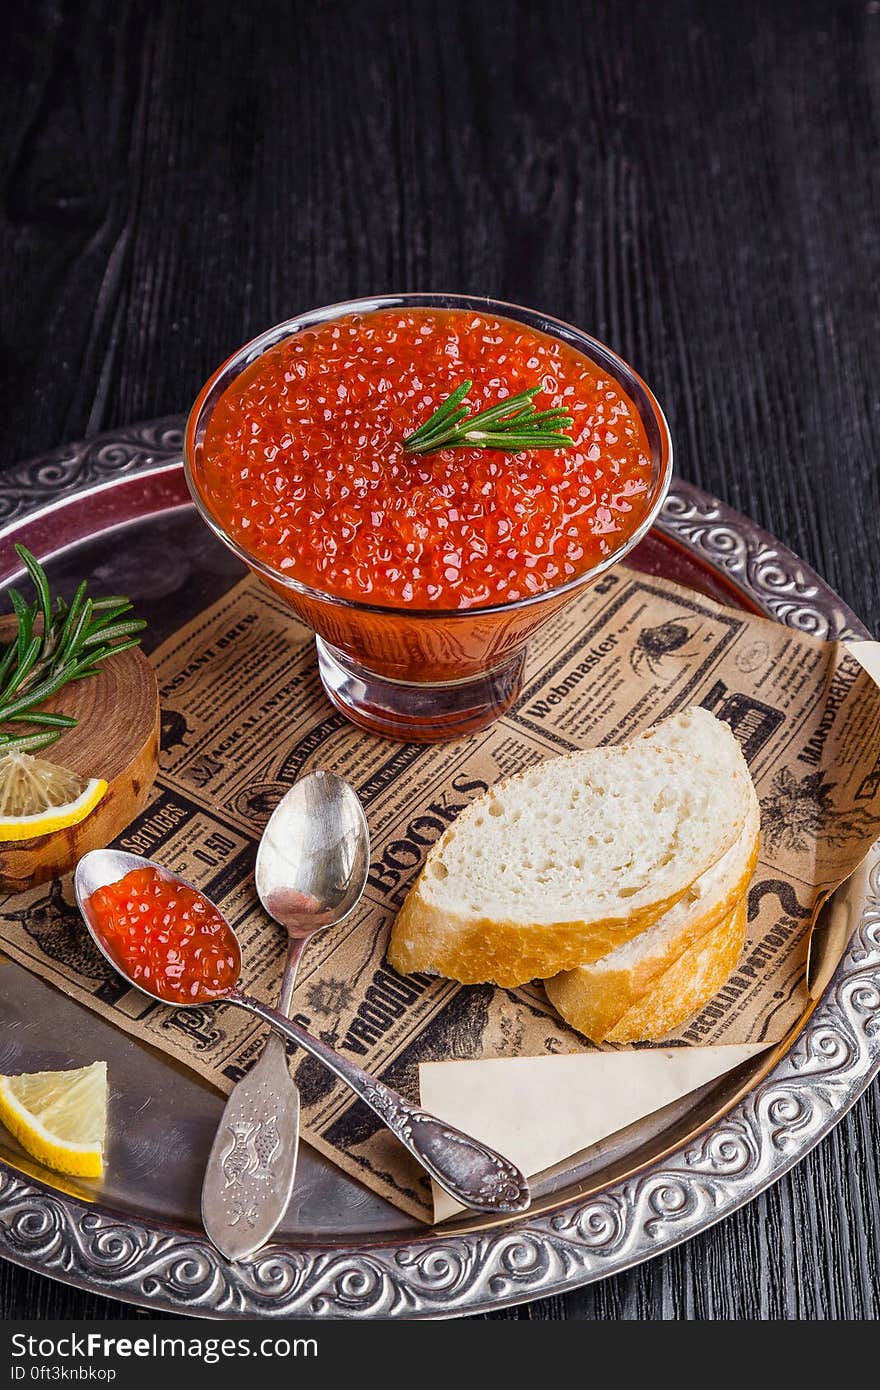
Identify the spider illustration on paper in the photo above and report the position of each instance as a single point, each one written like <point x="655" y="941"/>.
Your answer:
<point x="798" y="810"/>
<point x="659" y="649"/>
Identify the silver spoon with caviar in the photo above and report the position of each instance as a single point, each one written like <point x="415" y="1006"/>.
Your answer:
<point x="140" y="914"/>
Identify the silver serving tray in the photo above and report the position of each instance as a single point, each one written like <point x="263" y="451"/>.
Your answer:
<point x="117" y="507"/>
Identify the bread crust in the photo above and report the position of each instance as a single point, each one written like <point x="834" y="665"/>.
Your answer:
<point x="688" y="984"/>
<point x="481" y="950"/>
<point x="594" y="1002"/>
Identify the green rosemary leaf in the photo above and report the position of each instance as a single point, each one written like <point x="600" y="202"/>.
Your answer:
<point x="91" y="663"/>
<point x="124" y="646"/>
<point x="77" y="632"/>
<point x="109" y="634"/>
<point x="109" y="615"/>
<point x="441" y="432"/>
<point x="111" y="601"/>
<point x="41" y="584"/>
<point x="36" y="694"/>
<point x="443" y="412"/>
<point x="24" y="666"/>
<point x="106" y="620"/>
<point x="72" y="642"/>
<point x="6" y="661"/>
<point x="29" y="743"/>
<point x="453" y="400"/>
<point x="546" y="417"/>
<point x="54" y="721"/>
<point x="25" y="616"/>
<point x="511" y="408"/>
<point x="515" y="443"/>
<point x="72" y="615"/>
<point x="513" y="424"/>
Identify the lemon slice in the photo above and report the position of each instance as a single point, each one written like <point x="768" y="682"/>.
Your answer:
<point x="60" y="1117"/>
<point x="37" y="797"/>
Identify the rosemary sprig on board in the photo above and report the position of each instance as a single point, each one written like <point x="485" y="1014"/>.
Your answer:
<point x="513" y="425"/>
<point x="56" y="643"/>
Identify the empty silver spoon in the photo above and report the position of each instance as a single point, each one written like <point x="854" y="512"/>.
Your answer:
<point x="471" y="1172"/>
<point x="311" y="870"/>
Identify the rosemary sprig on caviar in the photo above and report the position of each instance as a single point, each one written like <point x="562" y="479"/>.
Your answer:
<point x="513" y="425"/>
<point x="56" y="643"/>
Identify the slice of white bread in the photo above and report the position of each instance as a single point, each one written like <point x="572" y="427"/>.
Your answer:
<point x="593" y="998"/>
<point x="688" y="984"/>
<point x="557" y="866"/>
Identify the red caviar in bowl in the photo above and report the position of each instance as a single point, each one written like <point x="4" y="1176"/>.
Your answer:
<point x="166" y="937"/>
<point x="305" y="467"/>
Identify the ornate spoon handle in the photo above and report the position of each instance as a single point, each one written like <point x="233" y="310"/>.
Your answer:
<point x="252" y="1166"/>
<point x="471" y="1172"/>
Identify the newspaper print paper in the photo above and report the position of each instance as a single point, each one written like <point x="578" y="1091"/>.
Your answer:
<point x="244" y="715"/>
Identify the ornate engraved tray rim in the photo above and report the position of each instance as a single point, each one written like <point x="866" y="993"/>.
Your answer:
<point x="790" y="1107"/>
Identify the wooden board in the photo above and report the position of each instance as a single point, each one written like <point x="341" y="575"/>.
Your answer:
<point x="117" y="738"/>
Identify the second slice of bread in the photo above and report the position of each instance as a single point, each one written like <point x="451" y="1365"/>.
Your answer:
<point x="688" y="984"/>
<point x="559" y="865"/>
<point x="594" y="998"/>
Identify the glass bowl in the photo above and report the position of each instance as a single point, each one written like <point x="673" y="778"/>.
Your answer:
<point x="430" y="674"/>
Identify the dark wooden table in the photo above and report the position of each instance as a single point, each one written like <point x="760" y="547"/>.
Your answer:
<point x="695" y="183"/>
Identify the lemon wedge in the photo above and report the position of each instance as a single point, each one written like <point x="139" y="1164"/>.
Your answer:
<point x="60" y="1117"/>
<point x="37" y="797"/>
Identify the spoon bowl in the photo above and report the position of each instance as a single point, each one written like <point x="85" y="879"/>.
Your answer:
<point x="101" y="867"/>
<point x="314" y="855"/>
